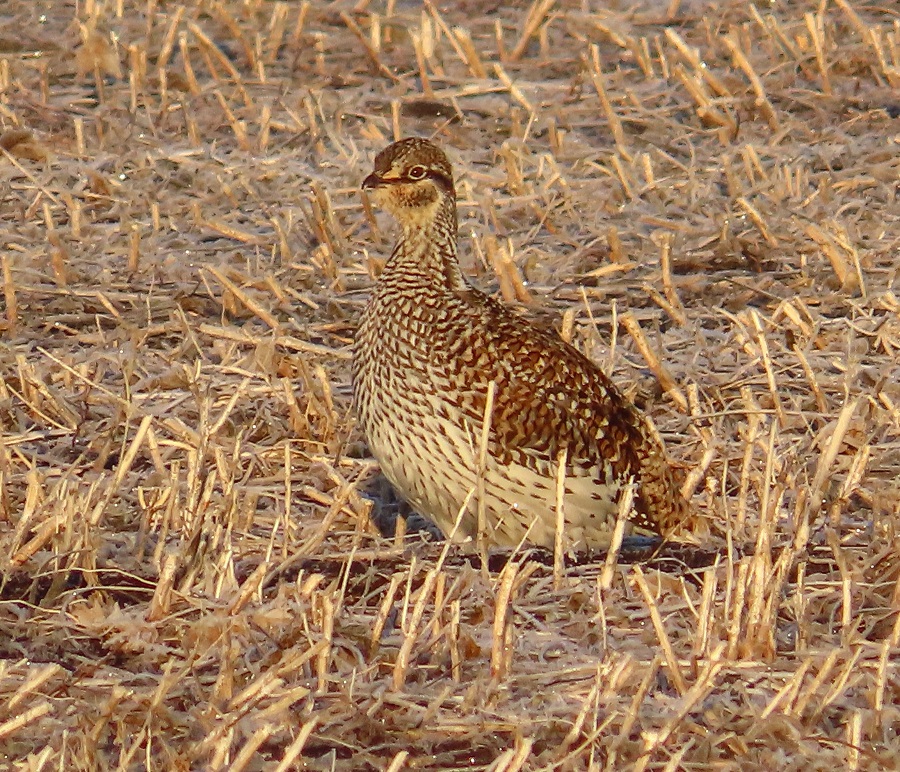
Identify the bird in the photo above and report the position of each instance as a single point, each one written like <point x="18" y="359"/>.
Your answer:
<point x="484" y="422"/>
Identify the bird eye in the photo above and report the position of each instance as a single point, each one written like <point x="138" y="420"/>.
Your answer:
<point x="417" y="173"/>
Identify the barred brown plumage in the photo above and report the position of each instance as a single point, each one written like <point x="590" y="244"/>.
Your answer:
<point x="427" y="349"/>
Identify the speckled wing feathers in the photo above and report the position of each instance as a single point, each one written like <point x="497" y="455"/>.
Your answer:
<point x="548" y="398"/>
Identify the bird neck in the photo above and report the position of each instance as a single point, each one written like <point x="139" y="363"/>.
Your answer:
<point x="427" y="250"/>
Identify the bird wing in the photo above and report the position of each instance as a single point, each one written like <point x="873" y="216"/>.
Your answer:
<point x="548" y="398"/>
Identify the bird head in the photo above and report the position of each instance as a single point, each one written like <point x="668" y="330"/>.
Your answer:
<point x="412" y="179"/>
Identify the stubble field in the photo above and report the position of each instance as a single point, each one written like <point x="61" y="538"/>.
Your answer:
<point x="703" y="197"/>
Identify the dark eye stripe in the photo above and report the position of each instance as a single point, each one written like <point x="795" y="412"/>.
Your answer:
<point x="442" y="180"/>
<point x="437" y="177"/>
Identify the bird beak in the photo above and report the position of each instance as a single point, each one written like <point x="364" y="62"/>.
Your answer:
<point x="372" y="181"/>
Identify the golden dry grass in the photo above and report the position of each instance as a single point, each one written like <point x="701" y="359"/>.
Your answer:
<point x="707" y="193"/>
